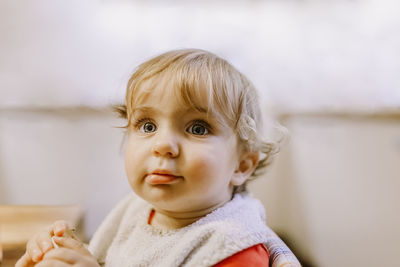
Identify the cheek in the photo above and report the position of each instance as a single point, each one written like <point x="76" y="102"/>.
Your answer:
<point x="207" y="164"/>
<point x="129" y="160"/>
<point x="129" y="165"/>
<point x="132" y="158"/>
<point x="202" y="164"/>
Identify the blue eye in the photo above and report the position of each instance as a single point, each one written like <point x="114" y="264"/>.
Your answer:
<point x="198" y="129"/>
<point x="148" y="127"/>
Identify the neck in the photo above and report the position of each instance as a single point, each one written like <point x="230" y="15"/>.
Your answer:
<point x="174" y="220"/>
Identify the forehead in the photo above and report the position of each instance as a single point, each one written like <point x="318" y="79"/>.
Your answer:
<point x="164" y="90"/>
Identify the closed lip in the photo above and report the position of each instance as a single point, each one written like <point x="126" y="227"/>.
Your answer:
<point x="165" y="172"/>
<point x="163" y="177"/>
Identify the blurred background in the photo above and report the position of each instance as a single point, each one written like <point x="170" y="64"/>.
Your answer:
<point x="329" y="71"/>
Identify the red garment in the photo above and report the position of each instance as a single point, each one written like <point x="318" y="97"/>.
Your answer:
<point x="151" y="216"/>
<point x="255" y="256"/>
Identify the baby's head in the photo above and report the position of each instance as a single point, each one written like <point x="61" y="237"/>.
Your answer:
<point x="202" y="80"/>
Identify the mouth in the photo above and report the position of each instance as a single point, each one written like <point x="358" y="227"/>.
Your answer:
<point x="162" y="177"/>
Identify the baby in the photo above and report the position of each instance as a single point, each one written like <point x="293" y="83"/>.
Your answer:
<point x="194" y="140"/>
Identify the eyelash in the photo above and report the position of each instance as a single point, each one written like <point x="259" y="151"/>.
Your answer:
<point x="140" y="122"/>
<point x="202" y="123"/>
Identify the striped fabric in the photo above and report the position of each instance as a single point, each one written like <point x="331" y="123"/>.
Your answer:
<point x="280" y="254"/>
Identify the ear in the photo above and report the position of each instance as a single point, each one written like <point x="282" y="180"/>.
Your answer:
<point x="246" y="166"/>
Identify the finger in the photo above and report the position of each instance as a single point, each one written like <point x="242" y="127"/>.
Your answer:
<point x="33" y="250"/>
<point x="59" y="227"/>
<point x="39" y="244"/>
<point x="63" y="254"/>
<point x="43" y="241"/>
<point x="73" y="244"/>
<point x="25" y="261"/>
<point x="52" y="263"/>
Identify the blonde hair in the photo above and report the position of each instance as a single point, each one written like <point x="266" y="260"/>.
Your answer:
<point x="232" y="98"/>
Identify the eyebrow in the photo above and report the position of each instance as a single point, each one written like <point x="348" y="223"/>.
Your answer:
<point x="197" y="108"/>
<point x="152" y="110"/>
<point x="145" y="110"/>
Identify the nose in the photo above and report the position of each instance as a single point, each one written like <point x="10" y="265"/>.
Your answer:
<point x="166" y="145"/>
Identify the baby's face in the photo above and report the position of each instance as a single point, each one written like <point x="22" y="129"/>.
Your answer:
<point x="178" y="158"/>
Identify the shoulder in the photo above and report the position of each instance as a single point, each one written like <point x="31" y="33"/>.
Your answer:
<point x="229" y="230"/>
<point x="254" y="256"/>
<point x="242" y="218"/>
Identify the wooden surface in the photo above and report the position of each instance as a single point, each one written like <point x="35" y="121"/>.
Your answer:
<point x="10" y="257"/>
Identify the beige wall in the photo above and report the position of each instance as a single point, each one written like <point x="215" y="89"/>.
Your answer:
<point x="64" y="156"/>
<point x="334" y="191"/>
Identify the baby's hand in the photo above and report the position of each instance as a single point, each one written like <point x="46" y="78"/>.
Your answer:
<point x="41" y="243"/>
<point x="69" y="252"/>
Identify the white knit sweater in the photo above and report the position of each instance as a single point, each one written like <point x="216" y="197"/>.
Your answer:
<point x="125" y="239"/>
